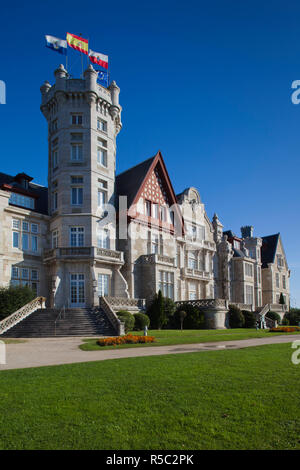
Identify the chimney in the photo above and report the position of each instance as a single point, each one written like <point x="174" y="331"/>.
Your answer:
<point x="247" y="231"/>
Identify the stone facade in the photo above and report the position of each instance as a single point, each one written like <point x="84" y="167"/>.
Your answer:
<point x="68" y="241"/>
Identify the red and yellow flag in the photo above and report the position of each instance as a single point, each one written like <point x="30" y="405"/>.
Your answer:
<point x="78" y="43"/>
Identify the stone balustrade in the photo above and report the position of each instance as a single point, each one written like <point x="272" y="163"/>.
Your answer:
<point x="155" y="258"/>
<point x="112" y="317"/>
<point x="23" y="312"/>
<point x="85" y="252"/>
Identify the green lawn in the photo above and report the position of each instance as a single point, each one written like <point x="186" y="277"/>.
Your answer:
<point x="235" y="399"/>
<point x="170" y="337"/>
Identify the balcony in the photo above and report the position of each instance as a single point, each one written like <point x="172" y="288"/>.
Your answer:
<point x="79" y="252"/>
<point x="155" y="258"/>
<point x="197" y="274"/>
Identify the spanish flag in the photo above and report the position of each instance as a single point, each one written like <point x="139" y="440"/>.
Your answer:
<point x="78" y="43"/>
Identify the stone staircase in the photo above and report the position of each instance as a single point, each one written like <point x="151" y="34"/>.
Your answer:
<point x="46" y="323"/>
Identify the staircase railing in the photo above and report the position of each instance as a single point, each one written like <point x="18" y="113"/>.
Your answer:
<point x="60" y="316"/>
<point x="112" y="317"/>
<point x="22" y="313"/>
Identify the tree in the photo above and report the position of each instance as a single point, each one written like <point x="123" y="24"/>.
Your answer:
<point x="182" y="315"/>
<point x="281" y="299"/>
<point x="236" y="318"/>
<point x="156" y="312"/>
<point x="14" y="297"/>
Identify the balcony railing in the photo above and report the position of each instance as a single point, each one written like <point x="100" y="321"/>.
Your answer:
<point x="197" y="274"/>
<point x="84" y="251"/>
<point x="155" y="258"/>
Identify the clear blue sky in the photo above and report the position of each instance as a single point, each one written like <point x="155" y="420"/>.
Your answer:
<point x="207" y="83"/>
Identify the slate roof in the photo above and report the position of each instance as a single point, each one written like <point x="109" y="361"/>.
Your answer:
<point x="128" y="183"/>
<point x="41" y="192"/>
<point x="268" y="249"/>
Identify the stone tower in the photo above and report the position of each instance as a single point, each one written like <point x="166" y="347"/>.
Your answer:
<point x="84" y="119"/>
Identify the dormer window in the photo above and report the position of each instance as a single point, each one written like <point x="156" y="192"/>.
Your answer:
<point x="20" y="200"/>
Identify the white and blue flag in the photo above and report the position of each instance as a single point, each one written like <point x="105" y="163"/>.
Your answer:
<point x="56" y="44"/>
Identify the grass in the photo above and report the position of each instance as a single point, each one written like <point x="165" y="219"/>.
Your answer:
<point x="13" y="341"/>
<point x="171" y="337"/>
<point x="234" y="399"/>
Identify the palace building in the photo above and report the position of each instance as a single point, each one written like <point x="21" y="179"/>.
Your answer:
<point x="92" y="234"/>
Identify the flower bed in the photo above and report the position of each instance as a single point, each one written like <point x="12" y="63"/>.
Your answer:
<point x="285" y="329"/>
<point x="127" y="339"/>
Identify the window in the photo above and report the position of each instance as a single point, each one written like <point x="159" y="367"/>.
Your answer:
<point x="154" y="243"/>
<point x="166" y="284"/>
<point x="103" y="285"/>
<point x="16" y="239"/>
<point x="192" y="291"/>
<point x="283" y="282"/>
<point x="192" y="260"/>
<point x="248" y="270"/>
<point x="34" y="228"/>
<point x="101" y="125"/>
<point x="172" y="217"/>
<point x="55" y="239"/>
<point x="25" y="241"/>
<point x="249" y="295"/>
<point x="102" y="152"/>
<point x="76" y="119"/>
<point x="34" y="275"/>
<point x="192" y="231"/>
<point x="20" y="200"/>
<point x="236" y="244"/>
<point x="277" y="280"/>
<point x="77" y="236"/>
<point x="201" y="231"/>
<point x="103" y="240"/>
<point x="163" y="213"/>
<point x="34" y="243"/>
<point x="14" y="272"/>
<point x="76" y="179"/>
<point x="54" y="201"/>
<point x="16" y="224"/>
<point x="76" y="196"/>
<point x="280" y="262"/>
<point x="155" y="211"/>
<point x="76" y="152"/>
<point x="25" y="273"/>
<point x="102" y="193"/>
<point x="25" y="226"/>
<point x="54" y="159"/>
<point x="148" y="208"/>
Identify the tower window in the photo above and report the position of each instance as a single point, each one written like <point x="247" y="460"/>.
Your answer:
<point x="76" y="152"/>
<point x="76" y="119"/>
<point x="101" y="125"/>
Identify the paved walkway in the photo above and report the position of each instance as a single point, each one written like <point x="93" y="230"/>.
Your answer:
<point x="39" y="352"/>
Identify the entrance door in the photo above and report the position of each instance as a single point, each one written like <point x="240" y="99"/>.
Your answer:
<point x="77" y="295"/>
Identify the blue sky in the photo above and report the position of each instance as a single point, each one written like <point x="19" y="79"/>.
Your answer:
<point x="207" y="83"/>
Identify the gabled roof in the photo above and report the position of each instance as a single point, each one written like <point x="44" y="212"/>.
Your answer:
<point x="268" y="249"/>
<point x="40" y="193"/>
<point x="131" y="182"/>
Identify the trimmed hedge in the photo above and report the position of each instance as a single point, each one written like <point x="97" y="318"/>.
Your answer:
<point x="14" y="297"/>
<point x="274" y="316"/>
<point x="194" y="319"/>
<point x="250" y="319"/>
<point x="236" y="318"/>
<point x="140" y="321"/>
<point x="127" y="318"/>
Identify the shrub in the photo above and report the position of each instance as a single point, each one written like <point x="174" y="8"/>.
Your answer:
<point x="156" y="312"/>
<point x="293" y="316"/>
<point x="140" y="321"/>
<point x="127" y="339"/>
<point x="281" y="299"/>
<point x="14" y="297"/>
<point x="274" y="316"/>
<point x="127" y="318"/>
<point x="250" y="319"/>
<point x="236" y="318"/>
<point x="194" y="319"/>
